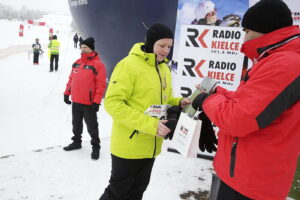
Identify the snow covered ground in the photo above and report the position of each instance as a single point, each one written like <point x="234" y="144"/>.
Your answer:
<point x="35" y="124"/>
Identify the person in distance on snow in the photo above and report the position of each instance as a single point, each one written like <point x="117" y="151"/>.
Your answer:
<point x="259" y="123"/>
<point x="75" y="39"/>
<point x="80" y="41"/>
<point x="37" y="49"/>
<point x="138" y="81"/>
<point x="86" y="86"/>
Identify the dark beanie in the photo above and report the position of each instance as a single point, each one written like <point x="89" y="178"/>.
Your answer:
<point x="267" y="16"/>
<point x="90" y="42"/>
<point x="54" y="37"/>
<point x="156" y="32"/>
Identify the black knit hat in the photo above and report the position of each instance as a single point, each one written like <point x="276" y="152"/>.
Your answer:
<point x="90" y="42"/>
<point x="267" y="16"/>
<point x="156" y="32"/>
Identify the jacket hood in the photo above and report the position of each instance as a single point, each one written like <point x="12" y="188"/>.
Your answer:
<point x="150" y="58"/>
<point x="271" y="42"/>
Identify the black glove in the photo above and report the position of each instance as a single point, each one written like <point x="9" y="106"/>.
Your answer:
<point x="95" y="107"/>
<point x="173" y="116"/>
<point x="171" y="124"/>
<point x="198" y="101"/>
<point x="66" y="99"/>
<point x="207" y="140"/>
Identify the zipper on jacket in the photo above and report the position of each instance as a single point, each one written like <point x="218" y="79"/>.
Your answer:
<point x="134" y="132"/>
<point x="233" y="156"/>
<point x="157" y="70"/>
<point x="154" y="147"/>
<point x="91" y="96"/>
<point x="161" y="101"/>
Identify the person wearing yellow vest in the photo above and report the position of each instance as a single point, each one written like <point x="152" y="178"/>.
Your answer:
<point x="54" y="52"/>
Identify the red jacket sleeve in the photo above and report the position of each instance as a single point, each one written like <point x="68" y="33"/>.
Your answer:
<point x="68" y="87"/>
<point x="100" y="83"/>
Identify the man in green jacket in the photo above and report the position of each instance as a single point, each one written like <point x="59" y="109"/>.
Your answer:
<point x="54" y="52"/>
<point x="138" y="81"/>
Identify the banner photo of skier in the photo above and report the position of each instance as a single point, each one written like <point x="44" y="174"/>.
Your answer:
<point x="207" y="12"/>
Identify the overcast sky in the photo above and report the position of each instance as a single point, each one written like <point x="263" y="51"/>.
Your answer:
<point x="53" y="6"/>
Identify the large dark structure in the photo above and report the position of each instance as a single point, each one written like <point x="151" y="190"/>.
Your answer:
<point x="117" y="24"/>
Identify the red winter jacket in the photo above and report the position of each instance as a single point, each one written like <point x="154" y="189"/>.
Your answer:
<point x="259" y="137"/>
<point x="87" y="81"/>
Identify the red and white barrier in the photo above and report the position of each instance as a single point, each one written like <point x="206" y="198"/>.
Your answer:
<point x="35" y="23"/>
<point x="21" y="30"/>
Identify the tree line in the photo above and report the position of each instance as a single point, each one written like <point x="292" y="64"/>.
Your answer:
<point x="7" y="12"/>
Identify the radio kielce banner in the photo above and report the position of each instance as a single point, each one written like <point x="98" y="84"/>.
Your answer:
<point x="192" y="62"/>
<point x="189" y="66"/>
<point x="211" y="51"/>
<point x="199" y="52"/>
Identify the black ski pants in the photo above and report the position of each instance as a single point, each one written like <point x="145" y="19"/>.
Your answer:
<point x="54" y="58"/>
<point x="227" y="193"/>
<point x="36" y="57"/>
<point x="129" y="178"/>
<point x="80" y="112"/>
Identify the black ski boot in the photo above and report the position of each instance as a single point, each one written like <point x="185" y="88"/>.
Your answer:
<point x="73" y="146"/>
<point x="95" y="153"/>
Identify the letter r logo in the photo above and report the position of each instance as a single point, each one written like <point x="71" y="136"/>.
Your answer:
<point x="193" y="37"/>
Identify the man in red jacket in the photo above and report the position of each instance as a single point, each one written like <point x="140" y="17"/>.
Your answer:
<point x="259" y="137"/>
<point x="86" y="85"/>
